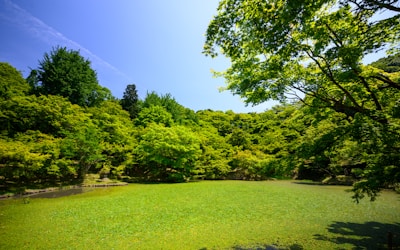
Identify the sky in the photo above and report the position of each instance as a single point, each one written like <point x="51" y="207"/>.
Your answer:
<point x="154" y="44"/>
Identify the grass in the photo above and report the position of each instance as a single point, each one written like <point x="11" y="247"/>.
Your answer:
<point x="201" y="215"/>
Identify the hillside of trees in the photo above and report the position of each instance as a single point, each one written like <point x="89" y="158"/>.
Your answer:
<point x="59" y="124"/>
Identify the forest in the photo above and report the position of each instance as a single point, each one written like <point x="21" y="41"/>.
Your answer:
<point x="56" y="131"/>
<point x="338" y="121"/>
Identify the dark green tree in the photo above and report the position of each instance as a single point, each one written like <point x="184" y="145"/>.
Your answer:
<point x="66" y="73"/>
<point x="389" y="64"/>
<point x="130" y="101"/>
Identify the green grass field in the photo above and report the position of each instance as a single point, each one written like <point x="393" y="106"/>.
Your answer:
<point x="201" y="215"/>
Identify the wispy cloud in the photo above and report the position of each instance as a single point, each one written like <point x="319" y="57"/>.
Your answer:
<point x="15" y="14"/>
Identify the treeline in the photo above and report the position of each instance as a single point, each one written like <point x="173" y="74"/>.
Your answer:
<point x="59" y="124"/>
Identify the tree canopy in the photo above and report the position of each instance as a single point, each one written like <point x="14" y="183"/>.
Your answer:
<point x="312" y="52"/>
<point x="66" y="73"/>
<point x="300" y="49"/>
<point x="11" y="82"/>
<point x="130" y="100"/>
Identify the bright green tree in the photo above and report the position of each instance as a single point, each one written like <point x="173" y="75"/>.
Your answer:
<point x="118" y="136"/>
<point x="154" y="114"/>
<point x="11" y="82"/>
<point x="222" y="121"/>
<point x="180" y="114"/>
<point x="66" y="73"/>
<point x="19" y="162"/>
<point x="314" y="48"/>
<point x="83" y="148"/>
<point x="213" y="163"/>
<point x="33" y="158"/>
<point x="168" y="153"/>
<point x="52" y="115"/>
<point x="312" y="51"/>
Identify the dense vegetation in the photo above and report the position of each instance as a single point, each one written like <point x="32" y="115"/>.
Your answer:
<point x="46" y="139"/>
<point x="339" y="119"/>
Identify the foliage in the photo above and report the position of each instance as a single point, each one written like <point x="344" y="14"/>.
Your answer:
<point x="118" y="136"/>
<point x="11" y="82"/>
<point x="33" y="157"/>
<point x="130" y="101"/>
<point x="17" y="159"/>
<point x="388" y="64"/>
<point x="312" y="51"/>
<point x="316" y="52"/>
<point x="66" y="73"/>
<point x="213" y="163"/>
<point x="179" y="114"/>
<point x="49" y="114"/>
<point x="154" y="114"/>
<point x="168" y="153"/>
<point x="83" y="148"/>
<point x="218" y="119"/>
<point x="246" y="166"/>
<point x="47" y="140"/>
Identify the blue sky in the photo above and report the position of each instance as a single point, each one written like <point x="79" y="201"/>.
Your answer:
<point x="155" y="44"/>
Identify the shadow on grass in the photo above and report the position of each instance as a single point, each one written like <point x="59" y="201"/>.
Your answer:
<point x="311" y="183"/>
<point x="271" y="247"/>
<point x="369" y="235"/>
<point x="266" y="247"/>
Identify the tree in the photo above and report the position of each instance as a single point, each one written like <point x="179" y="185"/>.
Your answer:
<point x="312" y="51"/>
<point x="374" y="5"/>
<point x="11" y="82"/>
<point x="168" y="154"/>
<point x="180" y="114"/>
<point x="222" y="121"/>
<point x="213" y="163"/>
<point x="130" y="101"/>
<point x="154" y="114"/>
<point x="389" y="64"/>
<point x="117" y="134"/>
<point x="52" y="115"/>
<point x="33" y="157"/>
<point x="307" y="50"/>
<point x="83" y="148"/>
<point x="66" y="73"/>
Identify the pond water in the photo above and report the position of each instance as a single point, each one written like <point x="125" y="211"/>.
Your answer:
<point x="60" y="193"/>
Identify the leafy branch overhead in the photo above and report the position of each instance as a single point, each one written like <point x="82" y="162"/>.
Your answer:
<point x="305" y="50"/>
<point x="313" y="52"/>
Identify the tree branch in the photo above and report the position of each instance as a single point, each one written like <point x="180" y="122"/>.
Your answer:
<point x="387" y="80"/>
<point x="328" y="72"/>
<point x="366" y="86"/>
<point x="374" y="5"/>
<point x="383" y="5"/>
